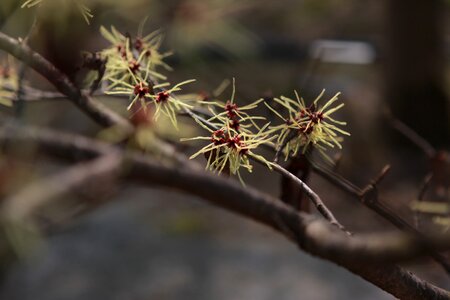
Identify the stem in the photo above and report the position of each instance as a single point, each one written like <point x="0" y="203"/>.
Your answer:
<point x="315" y="199"/>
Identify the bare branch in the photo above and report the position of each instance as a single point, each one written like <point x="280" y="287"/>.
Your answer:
<point x="98" y="112"/>
<point x="372" y="186"/>
<point x="221" y="191"/>
<point x="19" y="207"/>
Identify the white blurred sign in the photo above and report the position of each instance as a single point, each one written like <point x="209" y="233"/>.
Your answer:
<point x="346" y="52"/>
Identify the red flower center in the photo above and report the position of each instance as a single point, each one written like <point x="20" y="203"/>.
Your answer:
<point x="162" y="97"/>
<point x="218" y="137"/>
<point x="141" y="90"/>
<point x="231" y="109"/>
<point x="134" y="66"/>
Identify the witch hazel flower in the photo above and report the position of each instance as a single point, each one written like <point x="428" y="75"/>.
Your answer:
<point x="233" y="138"/>
<point x="229" y="150"/>
<point x="139" y="55"/>
<point x="143" y="92"/>
<point x="125" y="69"/>
<point x="237" y="117"/>
<point x="308" y="126"/>
<point x="84" y="10"/>
<point x="150" y="46"/>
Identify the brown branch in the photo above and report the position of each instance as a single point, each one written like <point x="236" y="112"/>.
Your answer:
<point x="20" y="206"/>
<point x="375" y="181"/>
<point x="369" y="197"/>
<point x="314" y="233"/>
<point x="98" y="112"/>
<point x="311" y="234"/>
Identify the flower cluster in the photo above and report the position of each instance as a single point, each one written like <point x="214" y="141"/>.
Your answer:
<point x="138" y="57"/>
<point x="165" y="101"/>
<point x="84" y="10"/>
<point x="229" y="150"/>
<point x="231" y="139"/>
<point x="235" y="116"/>
<point x="132" y="70"/>
<point x="307" y="126"/>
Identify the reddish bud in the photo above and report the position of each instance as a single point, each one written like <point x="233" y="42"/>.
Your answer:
<point x="162" y="97"/>
<point x="218" y="137"/>
<point x="231" y="109"/>
<point x="134" y="66"/>
<point x="138" y="44"/>
<point x="141" y="90"/>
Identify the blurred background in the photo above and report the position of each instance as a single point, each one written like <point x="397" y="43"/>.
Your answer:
<point x="147" y="243"/>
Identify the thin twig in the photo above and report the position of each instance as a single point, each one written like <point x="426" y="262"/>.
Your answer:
<point x="375" y="181"/>
<point x="371" y="200"/>
<point x="423" y="188"/>
<point x="413" y="136"/>
<point x="315" y="199"/>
